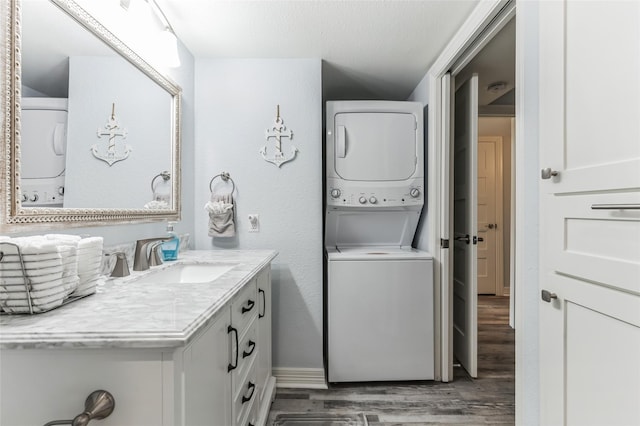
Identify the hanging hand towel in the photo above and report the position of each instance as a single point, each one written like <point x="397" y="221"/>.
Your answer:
<point x="221" y="216"/>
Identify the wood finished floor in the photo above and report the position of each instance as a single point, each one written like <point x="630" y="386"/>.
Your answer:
<point x="489" y="399"/>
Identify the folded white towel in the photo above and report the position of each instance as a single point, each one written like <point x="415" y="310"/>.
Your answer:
<point x="157" y="204"/>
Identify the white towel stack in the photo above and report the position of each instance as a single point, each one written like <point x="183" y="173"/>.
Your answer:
<point x="89" y="260"/>
<point x="56" y="266"/>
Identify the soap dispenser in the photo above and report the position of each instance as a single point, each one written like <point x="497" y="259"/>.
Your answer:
<point x="172" y="245"/>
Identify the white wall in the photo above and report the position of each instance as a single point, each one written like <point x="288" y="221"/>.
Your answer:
<point x="236" y="102"/>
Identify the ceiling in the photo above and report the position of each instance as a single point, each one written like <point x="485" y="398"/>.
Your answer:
<point x="371" y="49"/>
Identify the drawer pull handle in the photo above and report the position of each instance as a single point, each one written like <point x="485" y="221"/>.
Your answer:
<point x="231" y="367"/>
<point x="250" y="305"/>
<point x="252" y="388"/>
<point x="252" y="347"/>
<point x="615" y="207"/>
<point x="264" y="303"/>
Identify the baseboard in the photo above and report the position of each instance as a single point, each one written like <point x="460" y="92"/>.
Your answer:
<point x="302" y="378"/>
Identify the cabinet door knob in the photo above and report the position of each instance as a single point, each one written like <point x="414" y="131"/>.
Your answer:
<point x="548" y="173"/>
<point x="547" y="296"/>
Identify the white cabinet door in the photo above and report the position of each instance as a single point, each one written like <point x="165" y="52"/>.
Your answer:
<point x="207" y="379"/>
<point x="590" y="213"/>
<point x="264" y="331"/>
<point x="39" y="386"/>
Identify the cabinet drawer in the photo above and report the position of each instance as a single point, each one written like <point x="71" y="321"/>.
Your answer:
<point x="245" y="396"/>
<point x="247" y="352"/>
<point x="244" y="307"/>
<point x="251" y="418"/>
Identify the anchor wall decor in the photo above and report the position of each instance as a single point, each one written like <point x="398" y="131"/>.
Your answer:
<point x="278" y="131"/>
<point x="112" y="153"/>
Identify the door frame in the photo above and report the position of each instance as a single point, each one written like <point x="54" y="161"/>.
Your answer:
<point x="486" y="20"/>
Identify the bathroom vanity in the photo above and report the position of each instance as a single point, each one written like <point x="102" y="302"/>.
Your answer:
<point x="175" y="345"/>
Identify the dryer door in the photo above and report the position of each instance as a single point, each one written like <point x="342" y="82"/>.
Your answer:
<point x="375" y="146"/>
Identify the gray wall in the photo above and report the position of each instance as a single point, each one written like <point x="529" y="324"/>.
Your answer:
<point x="236" y="102"/>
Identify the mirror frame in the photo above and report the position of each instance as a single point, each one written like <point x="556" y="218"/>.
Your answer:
<point x="15" y="217"/>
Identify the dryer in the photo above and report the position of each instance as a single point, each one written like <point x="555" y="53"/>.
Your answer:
<point x="43" y="151"/>
<point x="379" y="290"/>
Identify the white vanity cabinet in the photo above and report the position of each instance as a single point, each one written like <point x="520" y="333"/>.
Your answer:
<point x="226" y="380"/>
<point x="221" y="377"/>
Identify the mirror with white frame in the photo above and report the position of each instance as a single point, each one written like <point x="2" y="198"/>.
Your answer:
<point x="94" y="130"/>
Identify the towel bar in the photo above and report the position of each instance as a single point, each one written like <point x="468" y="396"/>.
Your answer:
<point x="225" y="178"/>
<point x="98" y="405"/>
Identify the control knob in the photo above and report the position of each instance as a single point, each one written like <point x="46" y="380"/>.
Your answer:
<point x="373" y="200"/>
<point x="414" y="192"/>
<point x="61" y="190"/>
<point x="34" y="198"/>
<point x="25" y="197"/>
<point x="335" y="193"/>
<point x="362" y="200"/>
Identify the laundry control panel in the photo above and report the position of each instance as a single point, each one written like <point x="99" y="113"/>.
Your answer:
<point x="369" y="197"/>
<point x="42" y="195"/>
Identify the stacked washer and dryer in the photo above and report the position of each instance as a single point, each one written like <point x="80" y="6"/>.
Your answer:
<point x="379" y="291"/>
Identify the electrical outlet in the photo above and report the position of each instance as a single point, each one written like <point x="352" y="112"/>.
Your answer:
<point x="254" y="223"/>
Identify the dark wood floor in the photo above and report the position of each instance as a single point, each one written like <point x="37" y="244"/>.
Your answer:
<point x="489" y="399"/>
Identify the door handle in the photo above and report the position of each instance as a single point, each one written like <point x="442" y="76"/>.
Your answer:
<point x="466" y="239"/>
<point x="264" y="303"/>
<point x="341" y="142"/>
<point x="477" y="239"/>
<point x="548" y="173"/>
<point x="492" y="225"/>
<point x="547" y="296"/>
<point x="235" y="332"/>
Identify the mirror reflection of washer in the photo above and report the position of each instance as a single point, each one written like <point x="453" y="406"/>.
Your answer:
<point x="379" y="289"/>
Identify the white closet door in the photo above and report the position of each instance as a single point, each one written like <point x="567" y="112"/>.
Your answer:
<point x="465" y="223"/>
<point x="590" y="212"/>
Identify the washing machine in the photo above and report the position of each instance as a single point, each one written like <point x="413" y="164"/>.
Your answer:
<point x="43" y="151"/>
<point x="379" y="290"/>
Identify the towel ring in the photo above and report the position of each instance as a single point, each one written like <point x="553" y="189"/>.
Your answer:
<point x="225" y="178"/>
<point x="164" y="175"/>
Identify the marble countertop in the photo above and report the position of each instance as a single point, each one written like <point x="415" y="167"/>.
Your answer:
<point x="127" y="314"/>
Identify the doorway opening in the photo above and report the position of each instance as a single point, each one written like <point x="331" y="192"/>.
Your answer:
<point x="483" y="135"/>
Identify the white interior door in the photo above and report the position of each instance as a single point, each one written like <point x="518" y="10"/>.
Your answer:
<point x="489" y="205"/>
<point x="590" y="213"/>
<point x="465" y="279"/>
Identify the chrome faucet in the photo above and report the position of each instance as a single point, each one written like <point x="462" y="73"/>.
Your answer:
<point x="140" y="258"/>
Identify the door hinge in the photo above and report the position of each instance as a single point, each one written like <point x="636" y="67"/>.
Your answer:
<point x="444" y="243"/>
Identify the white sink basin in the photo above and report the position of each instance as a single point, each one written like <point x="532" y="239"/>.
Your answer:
<point x="187" y="273"/>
